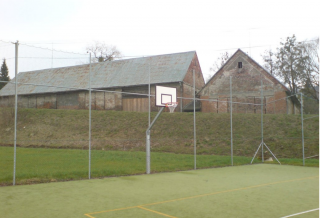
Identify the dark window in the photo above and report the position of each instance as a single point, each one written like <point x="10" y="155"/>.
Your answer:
<point x="239" y="64"/>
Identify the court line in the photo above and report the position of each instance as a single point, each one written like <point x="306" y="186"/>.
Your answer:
<point x="88" y="215"/>
<point x="106" y="211"/>
<point x="226" y="191"/>
<point x="308" y="211"/>
<point x="203" y="195"/>
<point x="157" y="212"/>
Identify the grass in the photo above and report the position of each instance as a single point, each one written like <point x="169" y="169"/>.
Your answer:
<point x="118" y="142"/>
<point x="38" y="165"/>
<point x="259" y="190"/>
<point x="119" y="130"/>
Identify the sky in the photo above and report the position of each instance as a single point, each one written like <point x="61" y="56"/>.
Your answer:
<point x="145" y="27"/>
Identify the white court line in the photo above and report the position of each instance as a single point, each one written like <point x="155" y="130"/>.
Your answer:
<point x="300" y="213"/>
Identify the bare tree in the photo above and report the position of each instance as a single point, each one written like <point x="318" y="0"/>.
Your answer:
<point x="224" y="57"/>
<point x="103" y="52"/>
<point x="311" y="75"/>
<point x="290" y="64"/>
<point x="269" y="61"/>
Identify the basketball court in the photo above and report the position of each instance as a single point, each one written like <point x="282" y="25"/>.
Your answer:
<point x="261" y="190"/>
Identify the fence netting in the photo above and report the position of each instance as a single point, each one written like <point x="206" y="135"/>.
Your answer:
<point x="310" y="121"/>
<point x="58" y="138"/>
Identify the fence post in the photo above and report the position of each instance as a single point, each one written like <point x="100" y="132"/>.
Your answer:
<point x="302" y="132"/>
<point x="231" y="120"/>
<point x="262" y="156"/>
<point x="90" y="118"/>
<point x="194" y="123"/>
<point x="15" y="112"/>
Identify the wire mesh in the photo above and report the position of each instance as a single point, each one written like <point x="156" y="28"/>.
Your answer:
<point x="232" y="121"/>
<point x="310" y="122"/>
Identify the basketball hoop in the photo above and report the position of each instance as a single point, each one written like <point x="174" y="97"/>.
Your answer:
<point x="172" y="106"/>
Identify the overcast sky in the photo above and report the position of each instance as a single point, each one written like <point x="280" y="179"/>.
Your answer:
<point x="146" y="27"/>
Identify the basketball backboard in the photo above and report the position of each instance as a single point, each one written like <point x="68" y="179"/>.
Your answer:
<point x="165" y="95"/>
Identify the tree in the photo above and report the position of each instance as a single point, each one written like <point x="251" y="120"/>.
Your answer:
<point x="296" y="64"/>
<point x="224" y="57"/>
<point x="311" y="74"/>
<point x="270" y="62"/>
<point x="4" y="74"/>
<point x="103" y="52"/>
<point x="290" y="64"/>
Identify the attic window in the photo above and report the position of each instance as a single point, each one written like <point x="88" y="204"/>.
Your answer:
<point x="239" y="64"/>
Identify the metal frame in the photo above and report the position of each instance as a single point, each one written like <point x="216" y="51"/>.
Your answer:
<point x="262" y="142"/>
<point x="148" y="131"/>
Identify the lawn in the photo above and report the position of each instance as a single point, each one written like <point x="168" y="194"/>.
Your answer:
<point x="38" y="165"/>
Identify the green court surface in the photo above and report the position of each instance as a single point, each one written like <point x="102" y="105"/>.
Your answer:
<point x="261" y="190"/>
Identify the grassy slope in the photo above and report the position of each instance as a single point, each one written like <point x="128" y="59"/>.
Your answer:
<point x="113" y="130"/>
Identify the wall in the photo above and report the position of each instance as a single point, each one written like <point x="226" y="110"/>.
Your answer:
<point x="246" y="88"/>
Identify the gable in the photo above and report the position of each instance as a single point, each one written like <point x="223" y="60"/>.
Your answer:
<point x="245" y="80"/>
<point x="194" y="66"/>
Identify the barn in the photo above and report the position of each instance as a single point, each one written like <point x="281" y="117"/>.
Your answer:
<point x="116" y="85"/>
<point x="243" y="77"/>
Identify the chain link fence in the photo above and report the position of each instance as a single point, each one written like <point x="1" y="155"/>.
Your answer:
<point x="95" y="140"/>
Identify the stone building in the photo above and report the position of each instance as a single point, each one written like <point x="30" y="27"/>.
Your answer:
<point x="117" y="85"/>
<point x="246" y="78"/>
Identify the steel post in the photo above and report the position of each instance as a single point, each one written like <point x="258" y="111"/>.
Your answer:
<point x="149" y="116"/>
<point x="148" y="152"/>
<point x="194" y="123"/>
<point x="262" y="156"/>
<point x="231" y="120"/>
<point x="302" y="131"/>
<point x="90" y="118"/>
<point x="148" y="141"/>
<point x="15" y="112"/>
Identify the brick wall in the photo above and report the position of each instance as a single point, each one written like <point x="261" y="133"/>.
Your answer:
<point x="246" y="89"/>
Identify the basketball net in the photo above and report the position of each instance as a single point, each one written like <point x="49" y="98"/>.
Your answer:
<point x="172" y="106"/>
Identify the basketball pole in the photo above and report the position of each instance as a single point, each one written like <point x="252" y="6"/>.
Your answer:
<point x="148" y="141"/>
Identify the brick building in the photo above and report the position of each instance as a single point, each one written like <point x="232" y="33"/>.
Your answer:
<point x="113" y="84"/>
<point x="246" y="79"/>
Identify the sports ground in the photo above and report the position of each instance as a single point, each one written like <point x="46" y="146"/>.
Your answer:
<point x="260" y="190"/>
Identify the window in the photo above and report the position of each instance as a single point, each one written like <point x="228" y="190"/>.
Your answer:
<point x="239" y="64"/>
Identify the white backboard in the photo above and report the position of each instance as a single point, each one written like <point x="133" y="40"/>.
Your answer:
<point x="165" y="95"/>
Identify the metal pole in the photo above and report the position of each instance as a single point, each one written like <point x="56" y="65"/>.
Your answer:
<point x="90" y="118"/>
<point x="149" y="96"/>
<point x="52" y="56"/>
<point x="15" y="112"/>
<point x="302" y="132"/>
<point x="148" y="141"/>
<point x="256" y="153"/>
<point x="262" y="156"/>
<point x="231" y="120"/>
<point x="272" y="153"/>
<point x="194" y="122"/>
<point x="148" y="162"/>
<point x="148" y="152"/>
